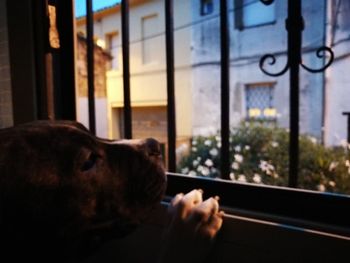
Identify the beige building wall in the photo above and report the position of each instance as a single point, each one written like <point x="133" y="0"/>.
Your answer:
<point x="148" y="61"/>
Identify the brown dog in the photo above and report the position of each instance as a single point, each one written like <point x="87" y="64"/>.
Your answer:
<point x="64" y="192"/>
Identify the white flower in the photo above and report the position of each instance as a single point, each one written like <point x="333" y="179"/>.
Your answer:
<point x="218" y="138"/>
<point x="331" y="183"/>
<point x="194" y="142"/>
<point x="238" y="158"/>
<point x="238" y="148"/>
<point x="200" y="168"/>
<point x="208" y="163"/>
<point x="267" y="168"/>
<point x="263" y="165"/>
<point x="192" y="173"/>
<point x="257" y="178"/>
<point x="207" y="142"/>
<point x="194" y="149"/>
<point x="312" y="139"/>
<point x="235" y="166"/>
<point x="195" y="163"/>
<point x="247" y="147"/>
<point x="242" y="178"/>
<point x="344" y="143"/>
<point x="218" y="144"/>
<point x="182" y="148"/>
<point x="347" y="163"/>
<point x="185" y="170"/>
<point x="214" y="152"/>
<point x="332" y="166"/>
<point x="274" y="144"/>
<point x="205" y="171"/>
<point x="199" y="158"/>
<point x="321" y="188"/>
<point x="232" y="176"/>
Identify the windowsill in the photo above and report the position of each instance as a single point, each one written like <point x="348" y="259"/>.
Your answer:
<point x="321" y="211"/>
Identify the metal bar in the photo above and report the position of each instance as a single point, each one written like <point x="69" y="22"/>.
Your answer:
<point x="347" y="114"/>
<point x="169" y="42"/>
<point x="90" y="65"/>
<point x="225" y="90"/>
<point x="294" y="25"/>
<point x="126" y="69"/>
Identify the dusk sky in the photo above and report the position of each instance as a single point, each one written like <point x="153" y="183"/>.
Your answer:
<point x="80" y="5"/>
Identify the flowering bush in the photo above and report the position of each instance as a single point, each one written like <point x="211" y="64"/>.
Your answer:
<point x="259" y="154"/>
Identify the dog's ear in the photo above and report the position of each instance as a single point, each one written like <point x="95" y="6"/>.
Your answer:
<point x="67" y="123"/>
<point x="75" y="124"/>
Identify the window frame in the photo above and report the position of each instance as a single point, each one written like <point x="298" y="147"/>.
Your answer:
<point x="239" y="17"/>
<point x="319" y="211"/>
<point x="298" y="207"/>
<point x="108" y="40"/>
<point x="257" y="85"/>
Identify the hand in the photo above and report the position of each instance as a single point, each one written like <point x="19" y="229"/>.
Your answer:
<point x="192" y="229"/>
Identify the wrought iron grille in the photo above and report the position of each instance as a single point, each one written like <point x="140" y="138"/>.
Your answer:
<point x="260" y="101"/>
<point x="294" y="26"/>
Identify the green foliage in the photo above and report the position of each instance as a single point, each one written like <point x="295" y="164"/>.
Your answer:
<point x="259" y="154"/>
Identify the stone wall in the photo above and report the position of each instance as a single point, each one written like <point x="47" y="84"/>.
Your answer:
<point x="101" y="59"/>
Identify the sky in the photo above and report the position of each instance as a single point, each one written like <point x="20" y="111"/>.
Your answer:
<point x="80" y="5"/>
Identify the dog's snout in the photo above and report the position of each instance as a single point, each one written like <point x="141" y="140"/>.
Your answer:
<point x="153" y="147"/>
<point x="150" y="147"/>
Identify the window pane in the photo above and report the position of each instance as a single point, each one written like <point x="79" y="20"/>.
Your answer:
<point x="150" y="44"/>
<point x="259" y="103"/>
<point x="207" y="7"/>
<point x="255" y="13"/>
<point x="324" y="146"/>
<point x="112" y="46"/>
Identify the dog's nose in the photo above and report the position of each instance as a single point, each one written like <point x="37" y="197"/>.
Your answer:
<point x="153" y="147"/>
<point x="150" y="147"/>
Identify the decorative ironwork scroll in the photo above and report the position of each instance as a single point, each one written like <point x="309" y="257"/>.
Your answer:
<point x="271" y="58"/>
<point x="294" y="27"/>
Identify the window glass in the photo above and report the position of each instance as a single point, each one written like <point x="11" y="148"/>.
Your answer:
<point x="149" y="25"/>
<point x="207" y="7"/>
<point x="253" y="14"/>
<point x="112" y="45"/>
<point x="259" y="103"/>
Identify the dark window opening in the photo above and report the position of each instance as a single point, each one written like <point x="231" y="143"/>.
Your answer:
<point x="207" y="7"/>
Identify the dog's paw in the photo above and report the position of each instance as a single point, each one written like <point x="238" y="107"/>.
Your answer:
<point x="194" y="224"/>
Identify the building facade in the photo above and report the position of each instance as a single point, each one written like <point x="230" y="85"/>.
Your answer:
<point x="147" y="68"/>
<point x="255" y="30"/>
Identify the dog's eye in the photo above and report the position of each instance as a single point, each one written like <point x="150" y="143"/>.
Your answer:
<point x="90" y="162"/>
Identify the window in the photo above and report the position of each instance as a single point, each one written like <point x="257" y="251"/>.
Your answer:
<point x="325" y="210"/>
<point x="250" y="13"/>
<point x="112" y="42"/>
<point x="260" y="101"/>
<point x="150" y="44"/>
<point x="207" y="7"/>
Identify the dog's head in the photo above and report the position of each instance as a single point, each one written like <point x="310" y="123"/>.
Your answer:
<point x="60" y="184"/>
